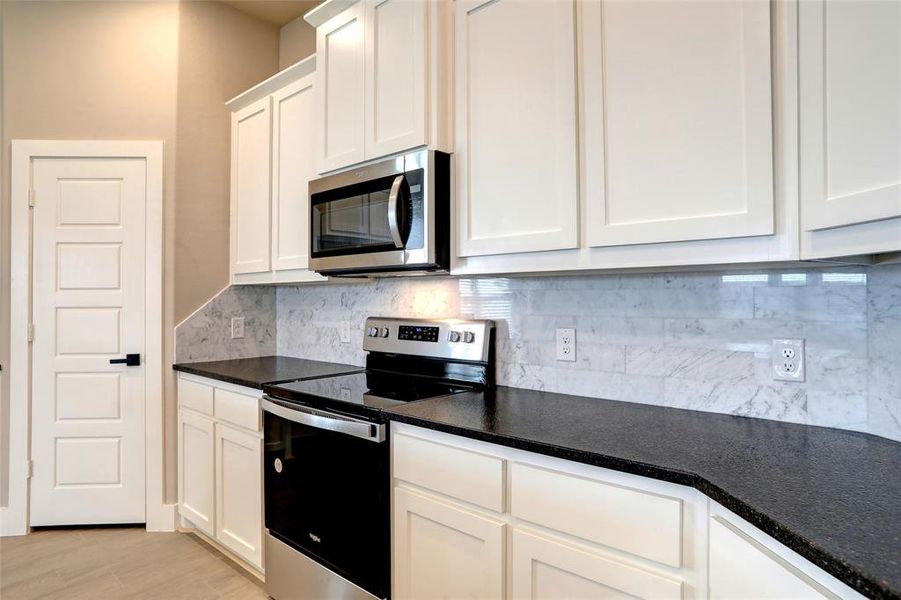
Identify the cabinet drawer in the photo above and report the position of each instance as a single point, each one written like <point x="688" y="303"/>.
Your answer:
<point x="631" y="520"/>
<point x="457" y="472"/>
<point x="196" y="396"/>
<point x="238" y="409"/>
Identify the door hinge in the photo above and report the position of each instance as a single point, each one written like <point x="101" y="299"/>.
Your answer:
<point x="31" y="199"/>
<point x="31" y="332"/>
<point x="29" y="469"/>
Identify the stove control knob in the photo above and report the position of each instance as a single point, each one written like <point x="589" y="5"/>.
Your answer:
<point x="384" y="332"/>
<point x="373" y="331"/>
<point x="453" y="336"/>
<point x="469" y="337"/>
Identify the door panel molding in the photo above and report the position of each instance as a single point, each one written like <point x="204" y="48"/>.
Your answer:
<point x="703" y="187"/>
<point x="848" y="111"/>
<point x="159" y="515"/>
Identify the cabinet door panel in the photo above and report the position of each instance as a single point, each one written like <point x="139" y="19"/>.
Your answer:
<point x="293" y="167"/>
<point x="742" y="568"/>
<point x="445" y="551"/>
<point x="517" y="163"/>
<point x="549" y="569"/>
<point x="850" y="112"/>
<point x="239" y="493"/>
<point x="396" y="51"/>
<point x="250" y="217"/>
<point x="677" y="120"/>
<point x="340" y="72"/>
<point x="195" y="470"/>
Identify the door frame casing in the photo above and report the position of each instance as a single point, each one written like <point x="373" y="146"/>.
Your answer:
<point x="15" y="516"/>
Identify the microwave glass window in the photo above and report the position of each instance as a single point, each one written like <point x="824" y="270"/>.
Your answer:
<point x="350" y="223"/>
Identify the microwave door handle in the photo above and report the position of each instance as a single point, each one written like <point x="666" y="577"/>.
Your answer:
<point x="323" y="420"/>
<point x="392" y="211"/>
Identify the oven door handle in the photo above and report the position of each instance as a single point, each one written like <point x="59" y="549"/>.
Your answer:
<point x="393" y="207"/>
<point x="320" y="419"/>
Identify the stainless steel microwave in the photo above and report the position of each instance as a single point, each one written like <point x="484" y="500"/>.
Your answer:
<point x="388" y="218"/>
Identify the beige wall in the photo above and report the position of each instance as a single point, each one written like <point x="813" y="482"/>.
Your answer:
<point x="221" y="53"/>
<point x="124" y="70"/>
<point x="297" y="40"/>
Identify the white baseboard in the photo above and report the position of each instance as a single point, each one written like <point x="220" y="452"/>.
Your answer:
<point x="11" y="524"/>
<point x="162" y="518"/>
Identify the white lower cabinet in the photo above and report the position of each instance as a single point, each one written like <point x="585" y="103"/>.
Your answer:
<point x="195" y="470"/>
<point x="220" y="457"/>
<point x="565" y="530"/>
<point x="239" y="457"/>
<point x="544" y="567"/>
<point x="747" y="563"/>
<point x="444" y="550"/>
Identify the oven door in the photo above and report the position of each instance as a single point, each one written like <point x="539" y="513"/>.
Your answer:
<point x="326" y="489"/>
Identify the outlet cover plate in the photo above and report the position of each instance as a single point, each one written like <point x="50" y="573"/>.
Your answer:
<point x="237" y="328"/>
<point x="566" y="344"/>
<point x="344" y="333"/>
<point x="788" y="360"/>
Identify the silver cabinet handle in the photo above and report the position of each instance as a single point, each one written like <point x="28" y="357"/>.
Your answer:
<point x="321" y="419"/>
<point x="392" y="211"/>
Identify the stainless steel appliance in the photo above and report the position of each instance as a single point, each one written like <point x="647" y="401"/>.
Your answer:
<point x="326" y="461"/>
<point x="388" y="218"/>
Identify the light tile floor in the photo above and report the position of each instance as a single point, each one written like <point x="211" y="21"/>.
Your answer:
<point x="120" y="562"/>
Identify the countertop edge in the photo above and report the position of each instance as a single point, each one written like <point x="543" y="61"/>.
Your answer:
<point x="844" y="572"/>
<point x="186" y="368"/>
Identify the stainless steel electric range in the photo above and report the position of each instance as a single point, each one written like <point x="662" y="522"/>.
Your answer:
<point x="326" y="461"/>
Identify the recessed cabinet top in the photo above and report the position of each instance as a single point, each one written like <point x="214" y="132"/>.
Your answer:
<point x="383" y="82"/>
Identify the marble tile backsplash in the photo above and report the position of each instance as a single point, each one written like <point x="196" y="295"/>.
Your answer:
<point x="689" y="340"/>
<point x="206" y="334"/>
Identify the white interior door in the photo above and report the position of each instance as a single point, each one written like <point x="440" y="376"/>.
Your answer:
<point x="88" y="308"/>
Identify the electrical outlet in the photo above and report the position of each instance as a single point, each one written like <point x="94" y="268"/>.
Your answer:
<point x="788" y="360"/>
<point x="566" y="344"/>
<point x="237" y="327"/>
<point x="344" y="333"/>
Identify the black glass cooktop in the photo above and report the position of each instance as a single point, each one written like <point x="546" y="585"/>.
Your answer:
<point x="372" y="389"/>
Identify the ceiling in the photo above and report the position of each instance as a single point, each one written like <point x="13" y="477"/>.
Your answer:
<point x="276" y="12"/>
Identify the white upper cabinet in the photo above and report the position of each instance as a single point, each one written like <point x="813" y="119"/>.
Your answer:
<point x="850" y="123"/>
<point x="516" y="119"/>
<point x="250" y="188"/>
<point x="384" y="78"/>
<point x="396" y="34"/>
<point x="273" y="161"/>
<point x="677" y="121"/>
<point x="339" y="52"/>
<point x="293" y="166"/>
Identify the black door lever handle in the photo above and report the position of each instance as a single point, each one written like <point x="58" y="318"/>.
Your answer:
<point x="130" y="360"/>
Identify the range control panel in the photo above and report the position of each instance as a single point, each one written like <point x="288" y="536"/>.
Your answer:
<point x="418" y="333"/>
<point x="456" y="339"/>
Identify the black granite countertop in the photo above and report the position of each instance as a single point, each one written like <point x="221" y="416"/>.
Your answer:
<point x="832" y="496"/>
<point x="258" y="371"/>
